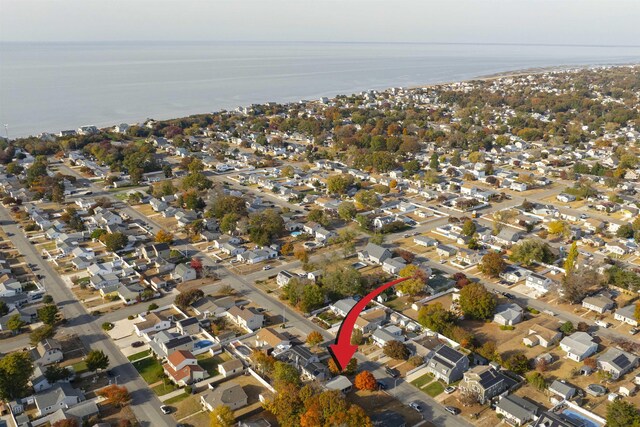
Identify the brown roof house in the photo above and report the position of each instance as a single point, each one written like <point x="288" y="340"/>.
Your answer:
<point x="182" y="367"/>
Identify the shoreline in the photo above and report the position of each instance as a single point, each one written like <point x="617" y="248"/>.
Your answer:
<point x="484" y="77"/>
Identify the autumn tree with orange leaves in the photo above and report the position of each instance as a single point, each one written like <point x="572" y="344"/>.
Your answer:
<point x="116" y="395"/>
<point x="365" y="381"/>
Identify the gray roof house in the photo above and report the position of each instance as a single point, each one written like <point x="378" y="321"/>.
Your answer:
<point x="447" y="364"/>
<point x="342" y="307"/>
<point x="486" y="382"/>
<point x="598" y="303"/>
<point x="562" y="389"/>
<point x="578" y="346"/>
<point x="374" y="253"/>
<point x="508" y="314"/>
<point x="626" y="315"/>
<point x="230" y="394"/>
<point x="617" y="362"/>
<point x="61" y="395"/>
<point x="516" y="409"/>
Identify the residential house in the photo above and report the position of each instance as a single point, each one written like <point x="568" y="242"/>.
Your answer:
<point x="371" y="320"/>
<point x="516" y="410"/>
<point x="61" y="395"/>
<point x="393" y="265"/>
<point x="339" y="383"/>
<point x="445" y="251"/>
<point x="306" y="362"/>
<point x="188" y="326"/>
<point x="617" y="362"/>
<point x="508" y="236"/>
<point x="541" y="335"/>
<point x="231" y="368"/>
<point x="270" y="340"/>
<point x="212" y="307"/>
<point x="578" y="346"/>
<point x="561" y="389"/>
<point x="183" y="369"/>
<point x="229" y="394"/>
<point x="342" y="307"/>
<point x="374" y="254"/>
<point x="257" y="255"/>
<point x="566" y="198"/>
<point x="626" y="315"/>
<point x="486" y="382"/>
<point x="47" y="352"/>
<point x="381" y="336"/>
<point x="183" y="273"/>
<point x="598" y="303"/>
<point x="539" y="282"/>
<point x="514" y="274"/>
<point x="447" y="364"/>
<point x="284" y="277"/>
<point x="425" y="241"/>
<point x="153" y="322"/>
<point x="508" y="314"/>
<point x="249" y="318"/>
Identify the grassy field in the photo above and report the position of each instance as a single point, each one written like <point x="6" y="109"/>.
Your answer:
<point x="150" y="369"/>
<point x="139" y="355"/>
<point x="176" y="399"/>
<point x="80" y="367"/>
<point x="434" y="389"/>
<point x="421" y="381"/>
<point x="166" y="387"/>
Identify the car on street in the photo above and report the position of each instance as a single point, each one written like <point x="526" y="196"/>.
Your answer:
<point x="267" y="267"/>
<point x="507" y="295"/>
<point x="450" y="389"/>
<point x="392" y="372"/>
<point x="415" y="406"/>
<point x="633" y="331"/>
<point x="452" y="410"/>
<point x="137" y="344"/>
<point x="165" y="409"/>
<point x="381" y="385"/>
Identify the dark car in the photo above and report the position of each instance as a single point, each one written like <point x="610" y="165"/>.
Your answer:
<point x="381" y="385"/>
<point x="392" y="372"/>
<point x="137" y="344"/>
<point x="507" y="295"/>
<point x="452" y="410"/>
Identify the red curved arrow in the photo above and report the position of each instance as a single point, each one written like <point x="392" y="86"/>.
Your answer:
<point x="342" y="351"/>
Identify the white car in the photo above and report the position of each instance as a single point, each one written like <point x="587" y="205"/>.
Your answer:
<point x="267" y="267"/>
<point x="165" y="409"/>
<point x="450" y="389"/>
<point x="416" y="406"/>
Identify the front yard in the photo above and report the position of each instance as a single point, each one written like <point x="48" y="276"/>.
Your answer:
<point x="150" y="369"/>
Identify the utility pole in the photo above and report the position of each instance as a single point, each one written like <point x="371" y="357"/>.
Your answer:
<point x="6" y="130"/>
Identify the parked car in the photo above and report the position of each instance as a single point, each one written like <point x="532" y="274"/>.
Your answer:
<point x="137" y="344"/>
<point x="450" y="389"/>
<point x="267" y="267"/>
<point x="165" y="409"/>
<point x="452" y="410"/>
<point x="381" y="385"/>
<point x="416" y="406"/>
<point x="392" y="372"/>
<point x="507" y="295"/>
<point x="633" y="331"/>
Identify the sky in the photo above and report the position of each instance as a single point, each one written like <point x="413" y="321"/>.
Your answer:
<point x="582" y="22"/>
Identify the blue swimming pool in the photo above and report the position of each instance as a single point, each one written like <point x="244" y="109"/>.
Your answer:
<point x="203" y="344"/>
<point x="576" y="416"/>
<point x="296" y="233"/>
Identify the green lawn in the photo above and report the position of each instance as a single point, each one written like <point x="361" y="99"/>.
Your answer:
<point x="434" y="389"/>
<point x="162" y="389"/>
<point x="421" y="381"/>
<point x="176" y="399"/>
<point x="210" y="363"/>
<point x="150" y="369"/>
<point x="80" y="367"/>
<point x="139" y="355"/>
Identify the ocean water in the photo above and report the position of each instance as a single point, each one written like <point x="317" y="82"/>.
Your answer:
<point x="54" y="86"/>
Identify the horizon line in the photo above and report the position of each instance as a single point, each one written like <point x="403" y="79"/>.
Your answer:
<point x="442" y="43"/>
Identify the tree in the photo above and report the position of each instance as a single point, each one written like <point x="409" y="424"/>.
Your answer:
<point x="70" y="422"/>
<point x="15" y="323"/>
<point x="196" y="180"/>
<point x="570" y="260"/>
<point x="265" y="226"/>
<point x="536" y="379"/>
<point x="164" y="237"/>
<point x="338" y="184"/>
<point x="47" y="299"/>
<point x="114" y="241"/>
<point x="434" y="163"/>
<point x="15" y="370"/>
<point x="416" y="283"/>
<point x="368" y="199"/>
<point x="530" y="251"/>
<point x="222" y="416"/>
<point x="55" y="373"/>
<point x="185" y="299"/>
<point x="469" y="397"/>
<point x="567" y="328"/>
<point x="436" y="317"/>
<point x="477" y="302"/>
<point x="229" y="222"/>
<point x="347" y="211"/>
<point x="625" y="231"/>
<point x="301" y="254"/>
<point x="518" y="363"/>
<point x="396" y="350"/>
<point x="4" y="309"/>
<point x="96" y="359"/>
<point x="576" y="285"/>
<point x="37" y="335"/>
<point x="225" y="204"/>
<point x="492" y="264"/>
<point x="591" y="362"/>
<point x="542" y="365"/>
<point x="196" y="264"/>
<point x="314" y="338"/>
<point x="356" y="337"/>
<point x="366" y="381"/>
<point x="285" y="373"/>
<point x="558" y="228"/>
<point x="116" y="395"/>
<point x="469" y="228"/>
<point x="48" y="314"/>
<point x="621" y="413"/>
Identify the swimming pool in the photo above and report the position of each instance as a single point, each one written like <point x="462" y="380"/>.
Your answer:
<point x="296" y="233"/>
<point x="576" y="416"/>
<point x="202" y="344"/>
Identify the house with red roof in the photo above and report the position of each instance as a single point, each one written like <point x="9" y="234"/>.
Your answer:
<point x="183" y="369"/>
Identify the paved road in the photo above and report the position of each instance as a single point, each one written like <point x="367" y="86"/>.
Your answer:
<point x="144" y="403"/>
